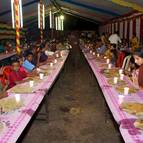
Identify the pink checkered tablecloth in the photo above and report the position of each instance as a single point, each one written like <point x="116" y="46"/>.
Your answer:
<point x="125" y="121"/>
<point x="16" y="121"/>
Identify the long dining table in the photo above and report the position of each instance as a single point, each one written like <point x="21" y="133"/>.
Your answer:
<point x="124" y="120"/>
<point x="13" y="123"/>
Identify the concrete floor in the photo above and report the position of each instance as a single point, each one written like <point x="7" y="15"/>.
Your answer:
<point x="77" y="111"/>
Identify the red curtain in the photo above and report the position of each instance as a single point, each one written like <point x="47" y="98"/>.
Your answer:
<point x="134" y="25"/>
<point x="114" y="27"/>
<point x="141" y="29"/>
<point x="118" y="26"/>
<point x="111" y="28"/>
<point x="128" y="29"/>
<point x="123" y="29"/>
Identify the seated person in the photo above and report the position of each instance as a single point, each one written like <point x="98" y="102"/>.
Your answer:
<point x="100" y="48"/>
<point x="2" y="48"/>
<point x="3" y="81"/>
<point x="17" y="75"/>
<point x="60" y="46"/>
<point x="27" y="64"/>
<point x="43" y="57"/>
<point x="134" y="42"/>
<point x="8" y="46"/>
<point x="108" y="52"/>
<point x="137" y="77"/>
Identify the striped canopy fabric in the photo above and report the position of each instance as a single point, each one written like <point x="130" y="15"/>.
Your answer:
<point x="97" y="10"/>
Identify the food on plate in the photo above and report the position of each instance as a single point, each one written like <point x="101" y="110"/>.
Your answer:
<point x="109" y="73"/>
<point x="21" y="89"/>
<point x="120" y="89"/>
<point x="132" y="108"/>
<point x="139" y="124"/>
<point x="120" y="82"/>
<point x="10" y="104"/>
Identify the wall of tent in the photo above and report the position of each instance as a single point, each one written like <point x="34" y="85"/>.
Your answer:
<point x="126" y="26"/>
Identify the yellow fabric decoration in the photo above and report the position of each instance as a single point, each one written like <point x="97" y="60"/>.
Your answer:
<point x="128" y="4"/>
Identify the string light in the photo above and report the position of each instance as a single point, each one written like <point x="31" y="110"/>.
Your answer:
<point x="21" y="15"/>
<point x="43" y="16"/>
<point x="62" y="22"/>
<point x="56" y="22"/>
<point x="59" y="23"/>
<point x="39" y="15"/>
<point x="50" y="16"/>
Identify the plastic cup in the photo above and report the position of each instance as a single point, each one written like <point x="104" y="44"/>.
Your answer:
<point x="51" y="64"/>
<point x="109" y="66"/>
<point x="41" y="75"/>
<point x="46" y="53"/>
<point x="120" y="71"/>
<point x="126" y="90"/>
<point x="121" y="99"/>
<point x="38" y="69"/>
<point x="55" y="61"/>
<point x="31" y="83"/>
<point x="121" y="76"/>
<point x="17" y="98"/>
<point x="115" y="80"/>
<point x="108" y="61"/>
<point x="57" y="55"/>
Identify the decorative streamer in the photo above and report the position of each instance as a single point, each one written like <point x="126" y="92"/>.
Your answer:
<point x="41" y="20"/>
<point x="17" y="24"/>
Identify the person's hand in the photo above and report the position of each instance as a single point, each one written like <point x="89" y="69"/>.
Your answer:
<point x="1" y="70"/>
<point x="3" y="94"/>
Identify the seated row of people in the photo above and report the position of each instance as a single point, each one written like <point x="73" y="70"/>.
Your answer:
<point x="25" y="65"/>
<point x="134" y="65"/>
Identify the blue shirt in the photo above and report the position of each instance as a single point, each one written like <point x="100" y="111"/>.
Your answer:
<point x="101" y="49"/>
<point x="28" y="66"/>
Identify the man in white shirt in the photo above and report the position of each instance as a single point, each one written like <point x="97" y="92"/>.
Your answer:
<point x="115" y="39"/>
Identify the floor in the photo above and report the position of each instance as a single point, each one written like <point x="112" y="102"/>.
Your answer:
<point x="77" y="110"/>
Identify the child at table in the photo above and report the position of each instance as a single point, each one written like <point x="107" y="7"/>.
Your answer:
<point x="17" y="75"/>
<point x="27" y="64"/>
<point x="137" y="76"/>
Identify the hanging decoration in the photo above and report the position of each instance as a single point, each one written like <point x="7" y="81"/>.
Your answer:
<point x="51" y="19"/>
<point x="41" y="18"/>
<point x="17" y="21"/>
<point x="62" y="22"/>
<point x="56" y="22"/>
<point x="59" y="22"/>
<point x="128" y="4"/>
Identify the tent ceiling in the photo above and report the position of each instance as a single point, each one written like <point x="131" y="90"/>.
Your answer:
<point x="98" y="10"/>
